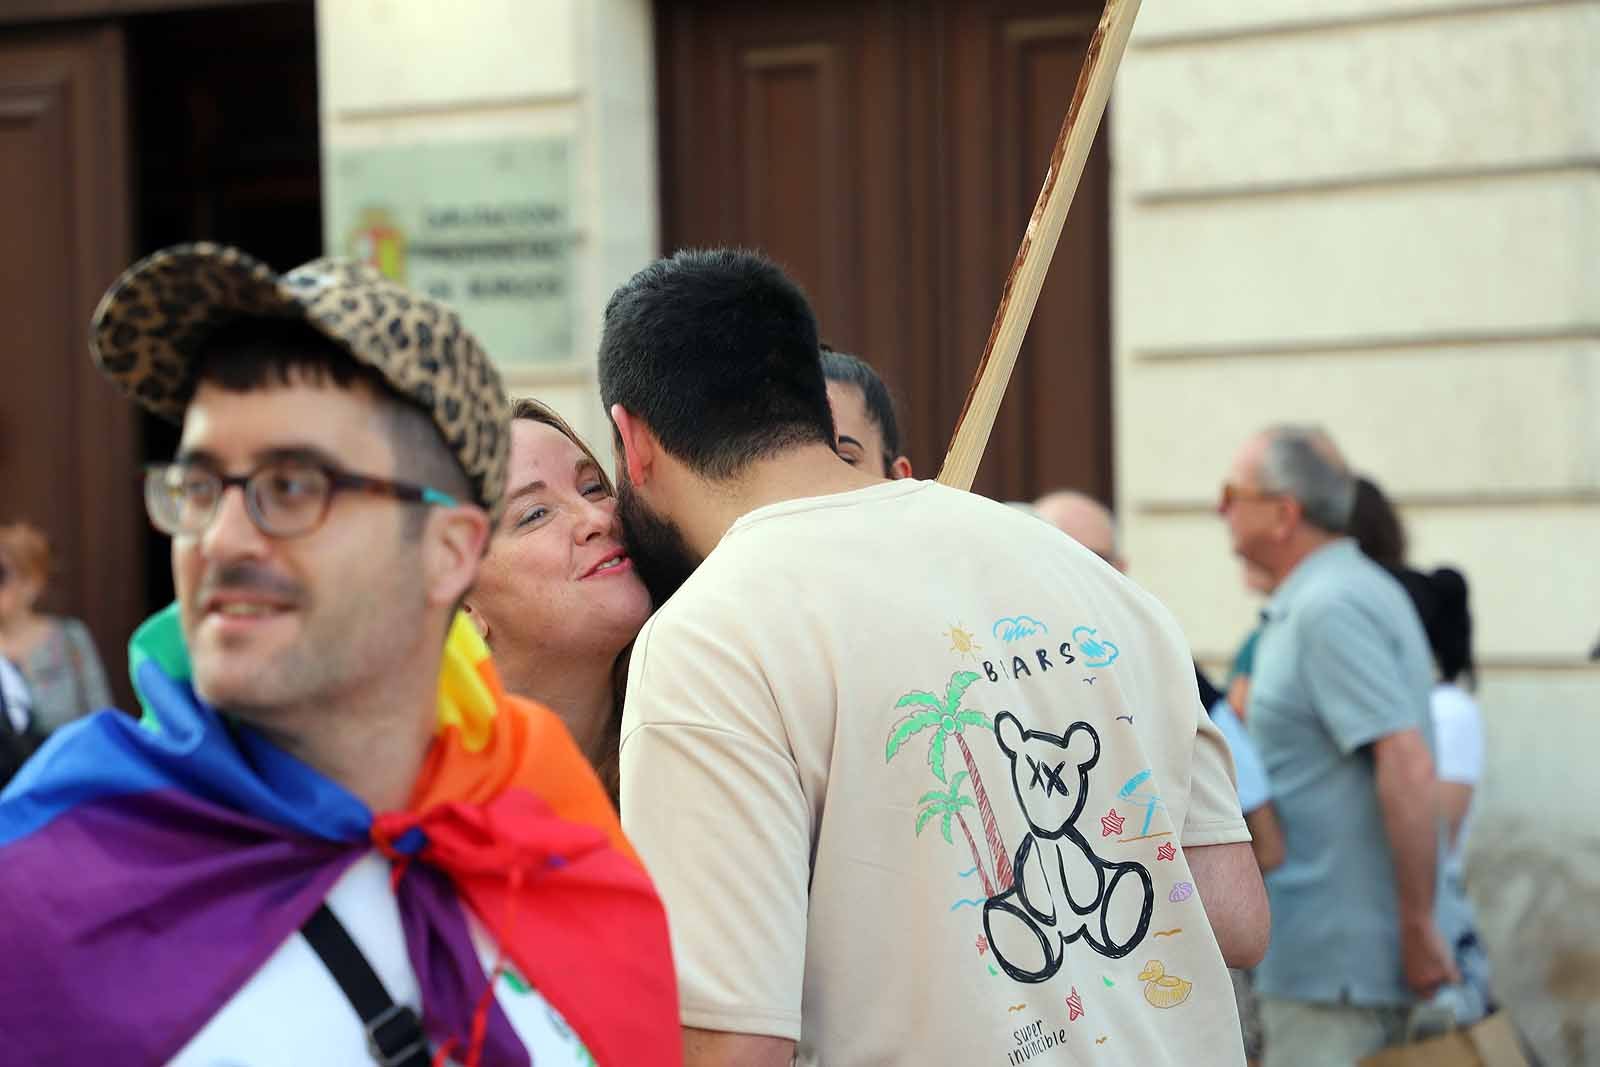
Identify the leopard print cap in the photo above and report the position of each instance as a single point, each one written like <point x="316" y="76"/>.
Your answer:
<point x="154" y="319"/>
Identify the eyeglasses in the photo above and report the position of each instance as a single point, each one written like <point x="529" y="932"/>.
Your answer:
<point x="1233" y="494"/>
<point x="284" y="498"/>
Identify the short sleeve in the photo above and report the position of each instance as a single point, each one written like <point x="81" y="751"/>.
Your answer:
<point x="1249" y="771"/>
<point x="1457" y="737"/>
<point x="1354" y="676"/>
<point x="1214" y="816"/>
<point x="712" y="801"/>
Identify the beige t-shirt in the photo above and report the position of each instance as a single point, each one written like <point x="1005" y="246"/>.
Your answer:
<point x="914" y="773"/>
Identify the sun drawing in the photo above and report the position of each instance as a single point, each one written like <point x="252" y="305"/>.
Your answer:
<point x="961" y="641"/>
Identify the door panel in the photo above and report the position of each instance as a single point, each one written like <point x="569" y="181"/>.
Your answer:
<point x="68" y="442"/>
<point x="888" y="154"/>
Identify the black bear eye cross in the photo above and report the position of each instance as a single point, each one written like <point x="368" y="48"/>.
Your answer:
<point x="1044" y="775"/>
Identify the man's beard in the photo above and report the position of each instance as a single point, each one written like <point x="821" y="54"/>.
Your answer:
<point x="661" y="557"/>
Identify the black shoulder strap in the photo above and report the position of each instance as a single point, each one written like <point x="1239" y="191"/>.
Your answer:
<point x="394" y="1033"/>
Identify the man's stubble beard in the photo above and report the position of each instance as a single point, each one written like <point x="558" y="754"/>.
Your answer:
<point x="351" y="638"/>
<point x="661" y="555"/>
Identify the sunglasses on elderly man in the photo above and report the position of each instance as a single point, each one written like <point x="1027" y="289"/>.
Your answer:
<point x="1235" y="494"/>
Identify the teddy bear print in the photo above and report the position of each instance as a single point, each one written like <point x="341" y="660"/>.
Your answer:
<point x="1063" y="891"/>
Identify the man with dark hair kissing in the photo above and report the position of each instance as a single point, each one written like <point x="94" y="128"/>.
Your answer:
<point x="921" y="779"/>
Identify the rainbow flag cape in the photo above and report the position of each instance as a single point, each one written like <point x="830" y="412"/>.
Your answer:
<point x="148" y="868"/>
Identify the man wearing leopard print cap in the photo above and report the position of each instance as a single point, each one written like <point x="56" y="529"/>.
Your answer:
<point x="332" y="838"/>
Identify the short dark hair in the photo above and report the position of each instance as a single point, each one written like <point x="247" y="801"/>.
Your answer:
<point x="716" y="351"/>
<point x="846" y="369"/>
<point x="257" y="353"/>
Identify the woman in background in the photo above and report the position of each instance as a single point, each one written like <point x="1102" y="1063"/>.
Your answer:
<point x="557" y="600"/>
<point x="56" y="656"/>
<point x="1441" y="598"/>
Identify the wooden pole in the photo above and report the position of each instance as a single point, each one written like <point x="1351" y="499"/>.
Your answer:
<point x="1027" y="275"/>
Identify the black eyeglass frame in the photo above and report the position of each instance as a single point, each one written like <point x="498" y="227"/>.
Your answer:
<point x="338" y="479"/>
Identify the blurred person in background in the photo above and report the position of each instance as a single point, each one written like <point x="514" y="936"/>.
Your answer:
<point x="1085" y="520"/>
<point x="56" y="655"/>
<point x="557" y="600"/>
<point x="1338" y="707"/>
<point x="1441" y="601"/>
<point x="866" y="432"/>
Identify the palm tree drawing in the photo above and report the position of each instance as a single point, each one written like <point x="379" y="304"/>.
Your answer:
<point x="948" y="805"/>
<point x="948" y="719"/>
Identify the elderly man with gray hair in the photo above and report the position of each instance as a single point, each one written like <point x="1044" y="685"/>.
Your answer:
<point x="1339" y="711"/>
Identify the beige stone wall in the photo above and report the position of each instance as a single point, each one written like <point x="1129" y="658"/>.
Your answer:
<point x="433" y="72"/>
<point x="1383" y="216"/>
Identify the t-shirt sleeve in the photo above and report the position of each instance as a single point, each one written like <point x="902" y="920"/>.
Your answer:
<point x="1353" y="675"/>
<point x="712" y="801"/>
<point x="1457" y="737"/>
<point x="1214" y="816"/>
<point x="1249" y="771"/>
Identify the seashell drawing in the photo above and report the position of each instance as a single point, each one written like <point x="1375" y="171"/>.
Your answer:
<point x="1163" y="990"/>
<point x="1181" y="891"/>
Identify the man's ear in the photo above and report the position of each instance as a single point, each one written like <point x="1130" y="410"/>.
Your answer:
<point x="453" y="546"/>
<point x="900" y="468"/>
<point x="1289" y="515"/>
<point x="638" y="445"/>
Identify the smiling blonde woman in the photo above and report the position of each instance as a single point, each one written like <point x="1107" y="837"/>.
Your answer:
<point x="557" y="599"/>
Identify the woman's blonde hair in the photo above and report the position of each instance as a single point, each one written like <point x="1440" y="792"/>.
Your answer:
<point x="608" y="768"/>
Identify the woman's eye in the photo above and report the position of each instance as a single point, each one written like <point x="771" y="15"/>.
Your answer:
<point x="595" y="488"/>
<point x="532" y="515"/>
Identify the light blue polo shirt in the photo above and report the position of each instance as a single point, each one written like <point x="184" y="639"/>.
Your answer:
<point x="1342" y="662"/>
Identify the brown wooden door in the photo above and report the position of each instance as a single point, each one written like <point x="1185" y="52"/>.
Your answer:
<point x="68" y="448"/>
<point x="888" y="153"/>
